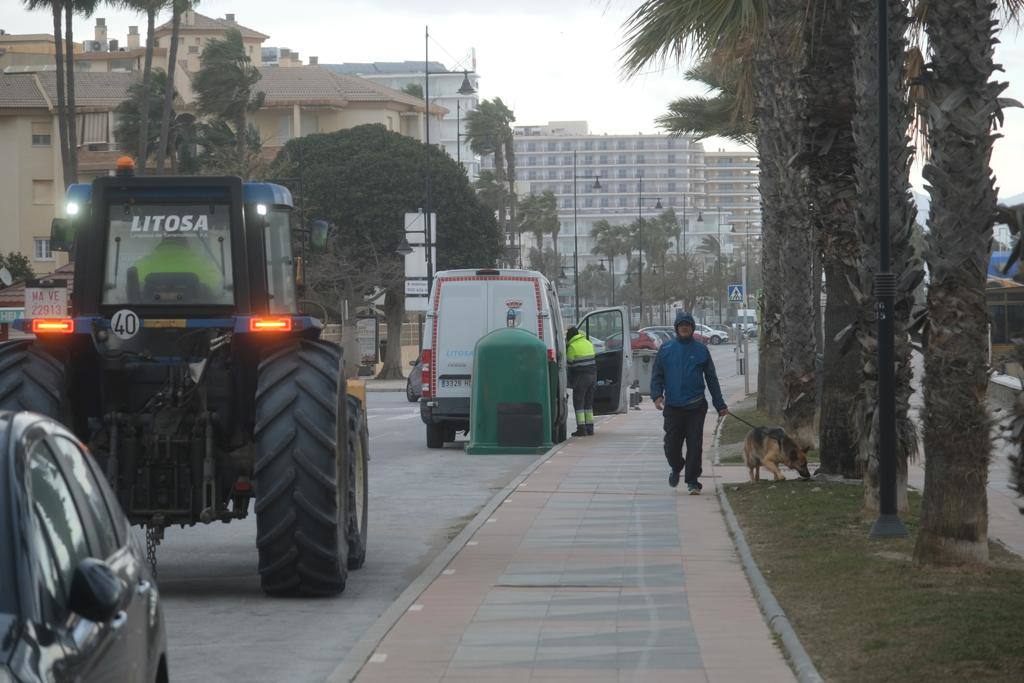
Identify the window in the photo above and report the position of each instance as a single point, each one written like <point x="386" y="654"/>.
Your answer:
<point x="72" y="462"/>
<point x="552" y="174"/>
<point x="622" y="187"/>
<point x="198" y="40"/>
<point x="621" y="144"/>
<point x="603" y="144"/>
<point x="41" y="133"/>
<point x="588" y="203"/>
<point x="640" y="159"/>
<point x="604" y="202"/>
<point x="566" y="147"/>
<point x="671" y="187"/>
<point x="42" y="249"/>
<point x="671" y="157"/>
<point x="531" y="161"/>
<point x="194" y="49"/>
<point x="622" y="201"/>
<point x="672" y="172"/>
<point x="531" y="147"/>
<point x="603" y="159"/>
<point x="640" y="144"/>
<point x="552" y="147"/>
<point x="280" y="276"/>
<point x="588" y="159"/>
<point x="566" y="189"/>
<point x="622" y="158"/>
<point x="531" y="175"/>
<point x="622" y="173"/>
<point x="167" y="254"/>
<point x="567" y="160"/>
<point x="42" y="192"/>
<point x="54" y="509"/>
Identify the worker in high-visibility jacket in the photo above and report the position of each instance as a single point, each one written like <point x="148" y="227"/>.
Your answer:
<point x="579" y="353"/>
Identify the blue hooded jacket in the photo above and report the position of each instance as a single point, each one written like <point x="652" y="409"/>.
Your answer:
<point x="681" y="368"/>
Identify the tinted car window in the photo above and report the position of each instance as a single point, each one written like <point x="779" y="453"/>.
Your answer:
<point x="55" y="509"/>
<point x="73" y="461"/>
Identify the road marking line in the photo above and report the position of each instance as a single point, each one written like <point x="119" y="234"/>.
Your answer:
<point x="378" y="658"/>
<point x="472" y="542"/>
<point x="415" y="608"/>
<point x="448" y="572"/>
<point x="492" y="519"/>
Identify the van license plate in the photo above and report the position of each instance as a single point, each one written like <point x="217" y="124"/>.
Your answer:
<point x="448" y="383"/>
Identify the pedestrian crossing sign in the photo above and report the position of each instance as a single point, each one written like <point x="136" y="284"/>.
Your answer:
<point x="735" y="294"/>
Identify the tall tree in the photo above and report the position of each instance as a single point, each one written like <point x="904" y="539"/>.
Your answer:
<point x="714" y="114"/>
<point x="145" y="101"/>
<point x="226" y="90"/>
<point x="178" y="7"/>
<point x="489" y="132"/>
<point x="363" y="180"/>
<point x="829" y="158"/>
<point x="56" y="8"/>
<point x="142" y="137"/>
<point x="962" y="108"/>
<point x="71" y="8"/>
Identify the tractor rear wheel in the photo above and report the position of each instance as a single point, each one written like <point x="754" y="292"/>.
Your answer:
<point x="32" y="379"/>
<point x="302" y="470"/>
<point x="358" y="483"/>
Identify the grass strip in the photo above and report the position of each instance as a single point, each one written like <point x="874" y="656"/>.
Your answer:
<point x="861" y="609"/>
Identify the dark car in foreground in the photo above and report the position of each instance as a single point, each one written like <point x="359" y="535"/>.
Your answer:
<point x="77" y="599"/>
<point x="414" y="383"/>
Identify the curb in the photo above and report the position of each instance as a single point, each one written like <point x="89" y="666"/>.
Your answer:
<point x="384" y="390"/>
<point x="360" y="653"/>
<point x="773" y="614"/>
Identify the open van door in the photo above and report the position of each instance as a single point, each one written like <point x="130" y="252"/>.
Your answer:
<point x="609" y="329"/>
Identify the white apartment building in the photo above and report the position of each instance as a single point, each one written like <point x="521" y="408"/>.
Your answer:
<point x="445" y="92"/>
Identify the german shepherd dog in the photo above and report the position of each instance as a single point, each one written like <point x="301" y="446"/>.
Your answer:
<point x="771" y="447"/>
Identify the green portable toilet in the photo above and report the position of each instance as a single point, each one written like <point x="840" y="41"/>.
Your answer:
<point x="510" y="408"/>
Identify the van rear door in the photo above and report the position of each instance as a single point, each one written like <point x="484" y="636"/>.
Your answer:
<point x="614" y="360"/>
<point x="460" y="320"/>
<point x="514" y="302"/>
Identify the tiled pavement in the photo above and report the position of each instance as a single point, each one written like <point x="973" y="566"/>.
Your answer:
<point x="592" y="570"/>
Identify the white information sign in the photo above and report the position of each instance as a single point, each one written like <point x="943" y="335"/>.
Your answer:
<point x="366" y="338"/>
<point x="416" y="288"/>
<point x="125" y="324"/>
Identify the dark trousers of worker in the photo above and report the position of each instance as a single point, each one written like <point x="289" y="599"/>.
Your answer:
<point x="583" y="383"/>
<point x="685" y="426"/>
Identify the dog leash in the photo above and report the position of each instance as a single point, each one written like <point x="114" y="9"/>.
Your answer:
<point x="744" y="421"/>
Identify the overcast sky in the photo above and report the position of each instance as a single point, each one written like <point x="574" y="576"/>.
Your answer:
<point x="548" y="59"/>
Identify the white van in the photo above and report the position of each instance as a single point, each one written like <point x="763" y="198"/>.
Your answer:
<point x="464" y="306"/>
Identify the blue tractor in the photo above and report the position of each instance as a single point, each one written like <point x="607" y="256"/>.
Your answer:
<point x="187" y="368"/>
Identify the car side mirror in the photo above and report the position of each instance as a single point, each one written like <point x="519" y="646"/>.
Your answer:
<point x="61" y="235"/>
<point x="413" y="363"/>
<point x="318" y="230"/>
<point x="97" y="593"/>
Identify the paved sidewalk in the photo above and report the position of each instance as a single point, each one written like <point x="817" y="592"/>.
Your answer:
<point x="593" y="570"/>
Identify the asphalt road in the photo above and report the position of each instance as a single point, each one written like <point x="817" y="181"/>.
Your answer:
<point x="222" y="628"/>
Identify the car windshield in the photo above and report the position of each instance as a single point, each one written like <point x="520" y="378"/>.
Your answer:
<point x="165" y="254"/>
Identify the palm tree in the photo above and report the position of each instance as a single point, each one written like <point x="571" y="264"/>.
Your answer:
<point x="489" y="131"/>
<point x="151" y="8"/>
<point x="178" y="7"/>
<point x="829" y="156"/>
<point x="56" y="8"/>
<point x="610" y="240"/>
<point x="539" y="216"/>
<point x="715" y="115"/>
<point x="86" y="9"/>
<point x="225" y="89"/>
<point x="963" y="108"/>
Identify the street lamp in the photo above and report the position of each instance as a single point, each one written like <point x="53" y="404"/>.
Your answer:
<point x="888" y="524"/>
<point x="576" y="232"/>
<point x="611" y="270"/>
<point x="640" y="218"/>
<point x="720" y="319"/>
<point x="465" y="89"/>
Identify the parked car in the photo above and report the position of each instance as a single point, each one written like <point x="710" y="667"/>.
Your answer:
<point x="414" y="384"/>
<point x="666" y="333"/>
<point x="712" y="335"/>
<point x="637" y="340"/>
<point x="78" y="601"/>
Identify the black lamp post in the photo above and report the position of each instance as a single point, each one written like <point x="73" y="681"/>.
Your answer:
<point x="465" y="89"/>
<point x="888" y="524"/>
<point x="576" y="232"/>
<point x="611" y="270"/>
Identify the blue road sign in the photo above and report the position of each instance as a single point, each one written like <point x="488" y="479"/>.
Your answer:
<point x="735" y="294"/>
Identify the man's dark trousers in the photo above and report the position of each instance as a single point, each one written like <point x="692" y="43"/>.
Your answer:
<point x="685" y="425"/>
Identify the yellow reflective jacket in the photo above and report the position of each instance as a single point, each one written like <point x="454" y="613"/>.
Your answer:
<point x="580" y="353"/>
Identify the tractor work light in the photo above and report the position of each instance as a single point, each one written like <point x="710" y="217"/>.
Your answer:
<point x="270" y="325"/>
<point x="72" y="208"/>
<point x="53" y="326"/>
<point x="261" y="209"/>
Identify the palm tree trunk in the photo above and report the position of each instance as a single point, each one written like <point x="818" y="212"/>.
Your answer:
<point x="147" y="80"/>
<point x="954" y="510"/>
<point x="172" y="59"/>
<point x="830" y="105"/>
<point x="394" y="312"/>
<point x="71" y="169"/>
<point x="906" y="263"/>
<point x="781" y="139"/>
<point x="62" y="103"/>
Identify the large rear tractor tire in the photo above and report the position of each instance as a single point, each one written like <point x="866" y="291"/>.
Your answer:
<point x="32" y="379"/>
<point x="358" y="483"/>
<point x="302" y="470"/>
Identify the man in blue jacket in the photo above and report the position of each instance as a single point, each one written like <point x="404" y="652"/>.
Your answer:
<point x="677" y="386"/>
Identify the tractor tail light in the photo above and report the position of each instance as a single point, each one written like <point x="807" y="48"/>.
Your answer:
<point x="270" y="325"/>
<point x="425" y="376"/>
<point x="53" y="326"/>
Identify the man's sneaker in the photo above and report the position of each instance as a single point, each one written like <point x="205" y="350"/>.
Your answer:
<point x="693" y="489"/>
<point x="580" y="432"/>
<point x="673" y="479"/>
